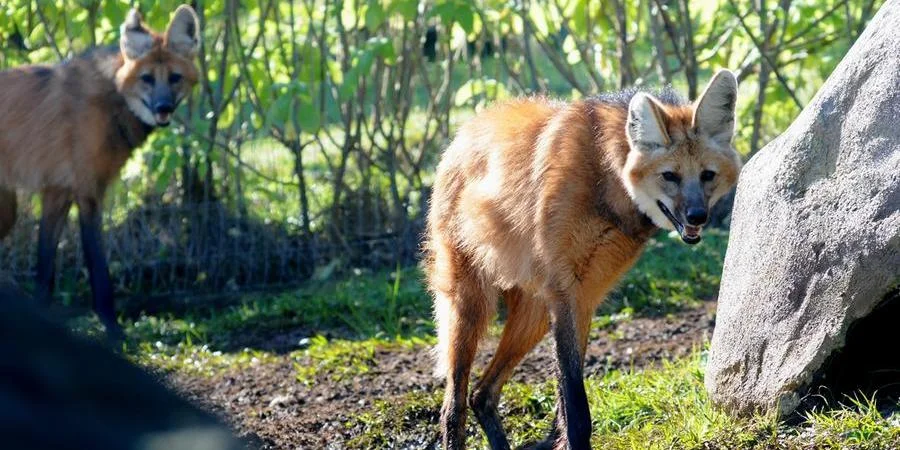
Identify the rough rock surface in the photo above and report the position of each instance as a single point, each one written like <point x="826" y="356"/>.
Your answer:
<point x="815" y="236"/>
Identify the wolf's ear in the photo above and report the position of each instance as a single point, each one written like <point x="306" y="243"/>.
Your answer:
<point x="714" y="110"/>
<point x="135" y="40"/>
<point x="183" y="33"/>
<point x="646" y="127"/>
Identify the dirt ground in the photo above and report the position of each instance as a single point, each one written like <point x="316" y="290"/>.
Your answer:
<point x="267" y="405"/>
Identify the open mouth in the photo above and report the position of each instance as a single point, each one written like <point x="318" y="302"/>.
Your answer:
<point x="162" y="119"/>
<point x="690" y="234"/>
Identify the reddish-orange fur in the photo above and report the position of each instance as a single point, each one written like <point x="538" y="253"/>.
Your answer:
<point x="67" y="130"/>
<point x="59" y="122"/>
<point x="529" y="203"/>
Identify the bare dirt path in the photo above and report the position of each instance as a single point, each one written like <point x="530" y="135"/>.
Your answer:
<point x="268" y="405"/>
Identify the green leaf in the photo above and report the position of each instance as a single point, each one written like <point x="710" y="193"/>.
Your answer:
<point x="408" y="9"/>
<point x="38" y="36"/>
<point x="465" y="17"/>
<point x="488" y="88"/>
<point x="580" y="18"/>
<point x="171" y="161"/>
<point x="384" y="48"/>
<point x="308" y="116"/>
<point x="375" y="15"/>
<point x="445" y="11"/>
<point x="227" y="117"/>
<point x="361" y="65"/>
<point x="279" y="111"/>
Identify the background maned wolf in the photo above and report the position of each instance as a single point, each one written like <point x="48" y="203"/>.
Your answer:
<point x="66" y="131"/>
<point x="548" y="204"/>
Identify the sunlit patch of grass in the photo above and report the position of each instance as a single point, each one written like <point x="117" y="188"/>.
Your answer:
<point x="858" y="423"/>
<point x="383" y="304"/>
<point x="198" y="359"/>
<point x="658" y="408"/>
<point x="178" y="345"/>
<point x="664" y="407"/>
<point x="341" y="359"/>
<point x="393" y="420"/>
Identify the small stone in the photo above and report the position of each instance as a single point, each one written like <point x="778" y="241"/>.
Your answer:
<point x="281" y="401"/>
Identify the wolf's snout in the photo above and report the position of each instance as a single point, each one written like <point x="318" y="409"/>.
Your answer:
<point x="164" y="107"/>
<point x="696" y="216"/>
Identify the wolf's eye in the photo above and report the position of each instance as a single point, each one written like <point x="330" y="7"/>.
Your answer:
<point x="174" y="78"/>
<point x="707" y="176"/>
<point x="147" y="78"/>
<point x="671" y="177"/>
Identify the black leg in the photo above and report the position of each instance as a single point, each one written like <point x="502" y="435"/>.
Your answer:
<point x="552" y="438"/>
<point x="55" y="208"/>
<point x="90" y="220"/>
<point x="574" y="414"/>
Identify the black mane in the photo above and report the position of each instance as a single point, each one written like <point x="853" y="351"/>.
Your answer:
<point x="666" y="95"/>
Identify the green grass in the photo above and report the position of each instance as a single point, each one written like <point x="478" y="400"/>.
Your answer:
<point x="364" y="310"/>
<point x="347" y="319"/>
<point x="659" y="408"/>
<point x="341" y="359"/>
<point x="670" y="275"/>
<point x="342" y="324"/>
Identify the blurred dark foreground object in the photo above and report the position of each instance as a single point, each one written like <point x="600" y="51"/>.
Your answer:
<point x="59" y="391"/>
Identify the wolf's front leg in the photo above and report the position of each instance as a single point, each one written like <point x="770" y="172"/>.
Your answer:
<point x="90" y="220"/>
<point x="55" y="206"/>
<point x="574" y="417"/>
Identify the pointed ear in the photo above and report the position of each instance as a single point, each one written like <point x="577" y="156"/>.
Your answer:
<point x="183" y="33"/>
<point x="135" y="40"/>
<point x="646" y="127"/>
<point x="714" y="110"/>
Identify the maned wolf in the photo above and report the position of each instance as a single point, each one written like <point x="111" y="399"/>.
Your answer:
<point x="66" y="131"/>
<point x="548" y="204"/>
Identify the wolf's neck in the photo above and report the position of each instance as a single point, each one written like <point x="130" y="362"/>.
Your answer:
<point x="130" y="131"/>
<point x="613" y="202"/>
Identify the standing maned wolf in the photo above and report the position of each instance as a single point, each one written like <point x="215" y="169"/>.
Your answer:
<point x="66" y="131"/>
<point x="548" y="204"/>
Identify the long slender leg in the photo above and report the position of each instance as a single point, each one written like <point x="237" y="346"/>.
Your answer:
<point x="89" y="218"/>
<point x="526" y="323"/>
<point x="557" y="430"/>
<point x="583" y="317"/>
<point x="462" y="317"/>
<point x="55" y="206"/>
<point x="574" y="416"/>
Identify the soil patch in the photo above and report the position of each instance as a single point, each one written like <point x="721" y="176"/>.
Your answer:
<point x="270" y="406"/>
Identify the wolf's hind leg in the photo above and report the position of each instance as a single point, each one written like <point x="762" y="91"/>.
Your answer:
<point x="462" y="315"/>
<point x="526" y="323"/>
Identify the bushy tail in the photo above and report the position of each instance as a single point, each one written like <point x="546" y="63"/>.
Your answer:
<point x="8" y="207"/>
<point x="441" y="350"/>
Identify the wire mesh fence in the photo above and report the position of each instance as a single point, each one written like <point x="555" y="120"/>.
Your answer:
<point x="207" y="248"/>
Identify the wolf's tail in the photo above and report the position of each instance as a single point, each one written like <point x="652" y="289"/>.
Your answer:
<point x="8" y="207"/>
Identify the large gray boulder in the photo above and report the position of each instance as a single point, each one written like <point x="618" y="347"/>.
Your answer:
<point x="815" y="235"/>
